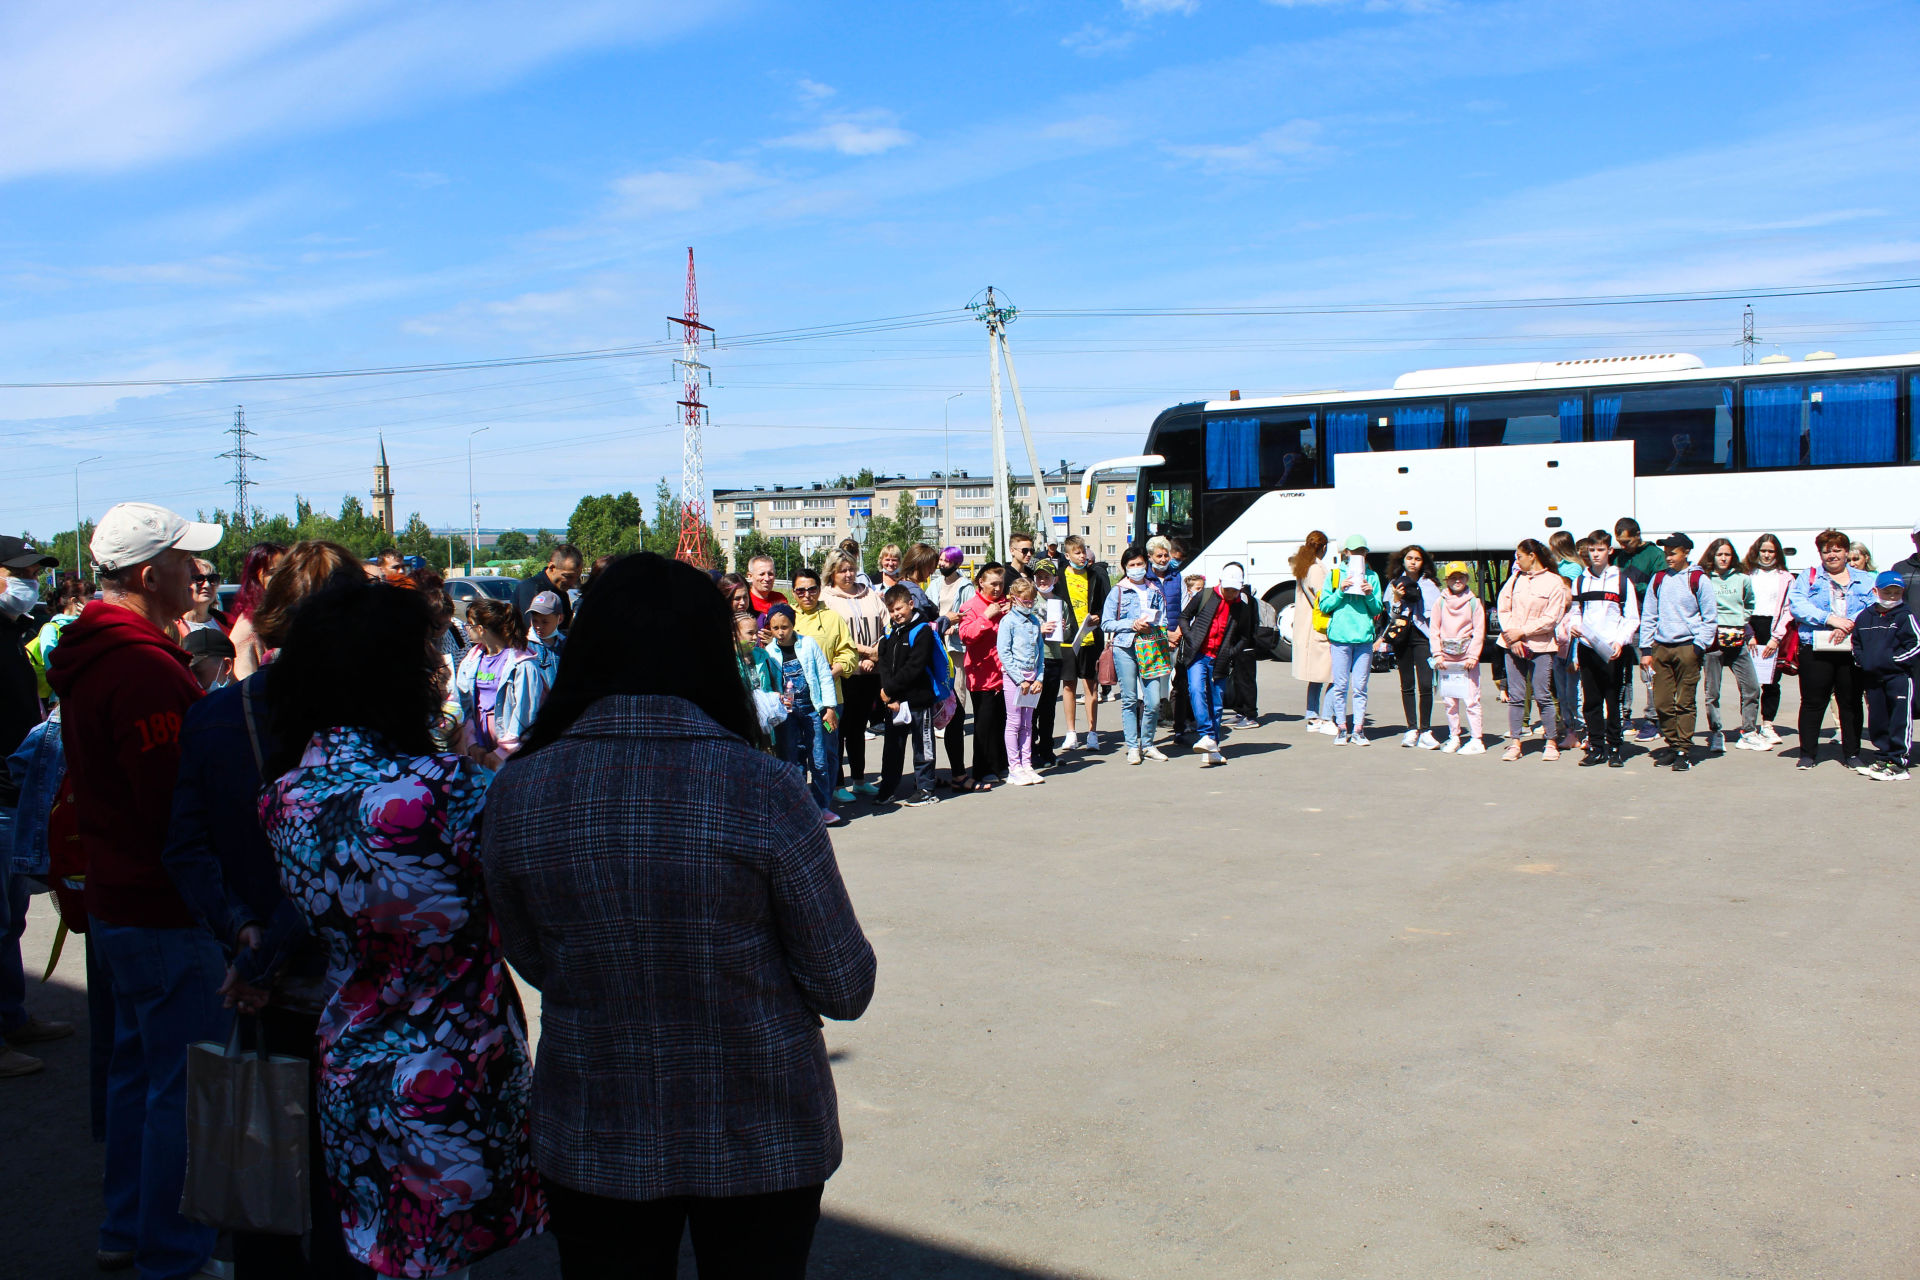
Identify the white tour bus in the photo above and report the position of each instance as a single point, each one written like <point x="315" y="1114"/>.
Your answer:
<point x="1467" y="462"/>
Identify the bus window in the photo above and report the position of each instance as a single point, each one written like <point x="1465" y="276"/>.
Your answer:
<point x="1548" y="419"/>
<point x="1261" y="453"/>
<point x="1171" y="514"/>
<point x="1676" y="430"/>
<point x="1827" y="422"/>
<point x="1377" y="428"/>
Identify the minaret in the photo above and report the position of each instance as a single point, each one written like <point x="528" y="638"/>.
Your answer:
<point x="383" y="491"/>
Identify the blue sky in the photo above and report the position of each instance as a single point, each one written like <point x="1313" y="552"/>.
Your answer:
<point x="219" y="188"/>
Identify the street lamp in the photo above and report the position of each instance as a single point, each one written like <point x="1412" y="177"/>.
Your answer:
<point x="473" y="508"/>
<point x="946" y="477"/>
<point x="76" y="510"/>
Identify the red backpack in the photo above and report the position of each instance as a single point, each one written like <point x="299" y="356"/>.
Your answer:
<point x="67" y="858"/>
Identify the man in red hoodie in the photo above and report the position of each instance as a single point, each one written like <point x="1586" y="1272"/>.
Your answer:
<point x="124" y="688"/>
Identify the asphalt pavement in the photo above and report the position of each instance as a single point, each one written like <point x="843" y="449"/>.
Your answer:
<point x="1327" y="1012"/>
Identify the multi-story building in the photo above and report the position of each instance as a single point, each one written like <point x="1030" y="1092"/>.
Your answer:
<point x="955" y="509"/>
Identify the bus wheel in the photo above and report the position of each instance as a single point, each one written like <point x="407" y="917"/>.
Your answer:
<point x="1276" y="611"/>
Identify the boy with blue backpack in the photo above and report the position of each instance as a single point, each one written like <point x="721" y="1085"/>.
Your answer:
<point x="915" y="682"/>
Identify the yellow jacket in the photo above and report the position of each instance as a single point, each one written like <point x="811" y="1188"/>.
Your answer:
<point x="829" y="630"/>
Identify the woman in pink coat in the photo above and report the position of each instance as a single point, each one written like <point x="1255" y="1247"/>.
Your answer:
<point x="1531" y="606"/>
<point x="980" y="633"/>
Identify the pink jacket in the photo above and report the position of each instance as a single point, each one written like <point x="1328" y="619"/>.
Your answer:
<point x="981" y="636"/>
<point x="1532" y="604"/>
<point x="1459" y="618"/>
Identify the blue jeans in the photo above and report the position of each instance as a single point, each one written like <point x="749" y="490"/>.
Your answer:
<point x="806" y="740"/>
<point x="1314" y="689"/>
<point x="1352" y="664"/>
<point x="1204" y="695"/>
<point x="1139" y="700"/>
<point x="165" y="984"/>
<point x="13" y="975"/>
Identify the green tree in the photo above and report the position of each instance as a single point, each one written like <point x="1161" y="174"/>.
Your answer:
<point x="902" y="528"/>
<point x="862" y="480"/>
<point x="606" y="525"/>
<point x="512" y="545"/>
<point x="664" y="535"/>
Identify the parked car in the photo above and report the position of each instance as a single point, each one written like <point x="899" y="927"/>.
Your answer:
<point x="464" y="591"/>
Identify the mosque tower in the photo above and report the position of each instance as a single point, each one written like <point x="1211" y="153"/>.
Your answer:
<point x="383" y="491"/>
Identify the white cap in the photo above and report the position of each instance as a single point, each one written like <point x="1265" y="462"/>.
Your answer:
<point x="135" y="532"/>
<point x="545" y="602"/>
<point x="1233" y="576"/>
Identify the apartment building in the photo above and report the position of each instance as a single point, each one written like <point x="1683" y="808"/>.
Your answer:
<point x="955" y="509"/>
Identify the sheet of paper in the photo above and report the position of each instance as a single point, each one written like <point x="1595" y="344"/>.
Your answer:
<point x="1087" y="624"/>
<point x="1456" y="683"/>
<point x="1763" y="665"/>
<point x="1601" y="645"/>
<point x="1355" y="576"/>
<point x="1027" y="699"/>
<point x="1057" y="615"/>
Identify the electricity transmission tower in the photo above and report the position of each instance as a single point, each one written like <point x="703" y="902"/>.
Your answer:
<point x="241" y="456"/>
<point x="997" y="317"/>
<point x="693" y="464"/>
<point x="1746" y="335"/>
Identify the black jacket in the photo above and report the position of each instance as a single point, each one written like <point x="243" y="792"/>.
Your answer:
<point x="19" y="693"/>
<point x="1196" y="621"/>
<point x="1886" y="641"/>
<point x="528" y="588"/>
<point x="1910" y="570"/>
<point x="902" y="664"/>
<point x="1098" y="584"/>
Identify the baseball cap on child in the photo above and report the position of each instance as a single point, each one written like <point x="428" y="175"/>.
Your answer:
<point x="1356" y="542"/>
<point x="545" y="602"/>
<point x="1233" y="577"/>
<point x="1457" y="566"/>
<point x="1890" y="580"/>
<point x="135" y="532"/>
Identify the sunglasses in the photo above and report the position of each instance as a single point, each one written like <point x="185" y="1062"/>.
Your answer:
<point x="806" y="591"/>
<point x="206" y="579"/>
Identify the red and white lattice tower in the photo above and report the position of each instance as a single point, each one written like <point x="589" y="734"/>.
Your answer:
<point x="693" y="466"/>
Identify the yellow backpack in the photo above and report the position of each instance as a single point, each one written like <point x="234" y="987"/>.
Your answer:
<point x="1320" y="619"/>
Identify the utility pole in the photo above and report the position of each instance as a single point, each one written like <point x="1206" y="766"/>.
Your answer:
<point x="77" y="562"/>
<point x="1746" y="335"/>
<point x="241" y="456"/>
<point x="693" y="462"/>
<point x="473" y="506"/>
<point x="997" y="317"/>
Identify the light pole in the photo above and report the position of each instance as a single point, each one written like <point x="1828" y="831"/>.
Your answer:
<point x="473" y="508"/>
<point x="946" y="477"/>
<point x="76" y="510"/>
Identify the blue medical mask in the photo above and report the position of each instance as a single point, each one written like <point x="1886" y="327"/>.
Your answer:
<point x="1173" y="564"/>
<point x="20" y="596"/>
<point x="1136" y="573"/>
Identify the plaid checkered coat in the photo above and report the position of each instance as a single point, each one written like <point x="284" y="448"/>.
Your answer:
<point x="673" y="895"/>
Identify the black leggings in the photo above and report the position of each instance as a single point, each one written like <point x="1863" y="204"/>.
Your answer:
<point x="989" y="733"/>
<point x="1412" y="657"/>
<point x="765" y="1237"/>
<point x="956" y="735"/>
<point x="1823" y="677"/>
<point x="1770" y="692"/>
<point x="862" y="692"/>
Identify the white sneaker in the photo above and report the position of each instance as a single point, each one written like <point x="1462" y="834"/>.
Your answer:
<point x="1206" y="744"/>
<point x="1428" y="742"/>
<point x="1767" y="732"/>
<point x="1214" y="757"/>
<point x="1019" y="779"/>
<point x="1359" y="740"/>
<point x="1070" y="743"/>
<point x="1450" y="746"/>
<point x="1133" y="755"/>
<point x="1411" y="738"/>
<point x="1339" y="739"/>
<point x="1751" y="742"/>
<point x="1154" y="753"/>
<point x="1474" y="748"/>
<point x="1093" y="740"/>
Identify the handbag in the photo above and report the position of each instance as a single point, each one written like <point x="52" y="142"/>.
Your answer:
<point x="1103" y="669"/>
<point x="1150" y="654"/>
<point x="1786" y="659"/>
<point x="247" y="1155"/>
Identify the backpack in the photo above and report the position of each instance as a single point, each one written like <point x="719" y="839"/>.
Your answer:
<point x="1321" y="620"/>
<point x="945" y="702"/>
<point x="1693" y="580"/>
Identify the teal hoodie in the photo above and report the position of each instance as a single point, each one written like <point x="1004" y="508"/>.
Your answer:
<point x="1351" y="619"/>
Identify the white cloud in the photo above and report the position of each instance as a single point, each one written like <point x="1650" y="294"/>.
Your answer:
<point x="812" y="91"/>
<point x="1286" y="146"/>
<point x="1147" y="8"/>
<point x="687" y="187"/>
<point x="89" y="86"/>
<point x="1094" y="40"/>
<point x="866" y="133"/>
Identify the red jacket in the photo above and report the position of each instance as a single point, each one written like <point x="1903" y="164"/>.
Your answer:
<point x="981" y="636"/>
<point x="124" y="689"/>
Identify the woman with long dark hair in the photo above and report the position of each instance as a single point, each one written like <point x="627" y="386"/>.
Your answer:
<point x="1734" y="596"/>
<point x="1531" y="605"/>
<point x="1766" y="567"/>
<point x="423" y="1064"/>
<point x="1412" y="598"/>
<point x="499" y="683"/>
<point x="673" y="893"/>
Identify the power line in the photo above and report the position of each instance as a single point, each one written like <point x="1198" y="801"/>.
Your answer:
<point x="241" y="456"/>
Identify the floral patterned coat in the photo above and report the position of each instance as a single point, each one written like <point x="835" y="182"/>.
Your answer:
<point x="424" y="1073"/>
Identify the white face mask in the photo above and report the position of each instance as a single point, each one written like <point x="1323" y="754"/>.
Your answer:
<point x="1886" y="603"/>
<point x="1137" y="573"/>
<point x="21" y="595"/>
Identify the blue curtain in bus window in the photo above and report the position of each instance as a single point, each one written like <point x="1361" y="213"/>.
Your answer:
<point x="1461" y="416"/>
<point x="1419" y="426"/>
<point x="1233" y="453"/>
<point x="1853" y="423"/>
<point x="1570" y="424"/>
<point x="1606" y="417"/>
<point x="1773" y="423"/>
<point x="1913" y="432"/>
<point x="1346" y="433"/>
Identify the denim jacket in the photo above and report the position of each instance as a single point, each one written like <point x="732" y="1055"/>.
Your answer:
<point x="36" y="769"/>
<point x="1126" y="604"/>
<point x="1021" y="653"/>
<point x="1812" y="603"/>
<point x="523" y="687"/>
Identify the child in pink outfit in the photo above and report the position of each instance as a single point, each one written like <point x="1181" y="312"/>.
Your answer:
<point x="1459" y="631"/>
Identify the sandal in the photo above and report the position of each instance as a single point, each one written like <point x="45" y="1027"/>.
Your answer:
<point x="1511" y="754"/>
